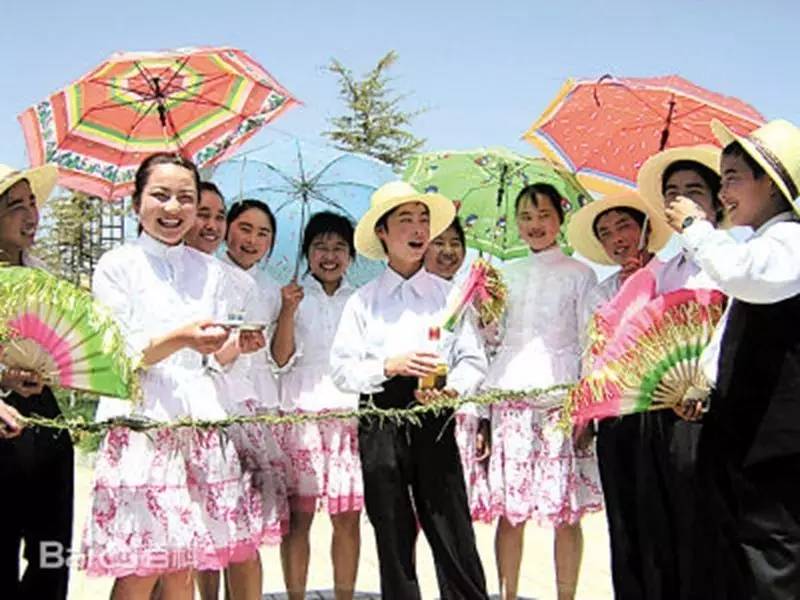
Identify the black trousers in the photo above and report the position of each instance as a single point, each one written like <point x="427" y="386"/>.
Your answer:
<point x="758" y="510"/>
<point x="664" y="542"/>
<point x="36" y="502"/>
<point x="414" y="472"/>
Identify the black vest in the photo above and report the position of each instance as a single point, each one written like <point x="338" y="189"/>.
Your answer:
<point x="756" y="404"/>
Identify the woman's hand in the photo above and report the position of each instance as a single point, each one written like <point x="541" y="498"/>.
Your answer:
<point x="291" y="296"/>
<point x="251" y="341"/>
<point x="205" y="337"/>
<point x="483" y="440"/>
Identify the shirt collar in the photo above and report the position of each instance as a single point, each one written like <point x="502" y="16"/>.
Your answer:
<point x="787" y="215"/>
<point x="312" y="284"/>
<point x="420" y="281"/>
<point x="158" y="248"/>
<point x="546" y="256"/>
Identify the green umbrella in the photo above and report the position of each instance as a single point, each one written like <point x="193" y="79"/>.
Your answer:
<point x="484" y="184"/>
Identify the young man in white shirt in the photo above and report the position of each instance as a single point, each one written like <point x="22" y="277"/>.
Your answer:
<point x="36" y="467"/>
<point x="381" y="349"/>
<point x="623" y="230"/>
<point x="751" y="438"/>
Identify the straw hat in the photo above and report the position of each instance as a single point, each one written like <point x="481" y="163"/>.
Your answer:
<point x="389" y="196"/>
<point x="580" y="230"/>
<point x="651" y="175"/>
<point x="776" y="147"/>
<point x="42" y="180"/>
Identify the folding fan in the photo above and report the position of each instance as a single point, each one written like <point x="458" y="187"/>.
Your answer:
<point x="651" y="358"/>
<point x="57" y="330"/>
<point x="484" y="289"/>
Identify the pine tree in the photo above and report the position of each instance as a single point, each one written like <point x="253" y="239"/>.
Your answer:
<point x="374" y="123"/>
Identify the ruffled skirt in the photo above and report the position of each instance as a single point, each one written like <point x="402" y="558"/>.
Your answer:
<point x="535" y="472"/>
<point x="324" y="465"/>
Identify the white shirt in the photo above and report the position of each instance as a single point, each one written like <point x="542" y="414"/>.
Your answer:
<point x="153" y="289"/>
<point x="264" y="308"/>
<point x="681" y="272"/>
<point x="763" y="270"/>
<point x="306" y="383"/>
<point x="391" y="316"/>
<point x="541" y="345"/>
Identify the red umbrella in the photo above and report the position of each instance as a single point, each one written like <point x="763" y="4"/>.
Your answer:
<point x="604" y="129"/>
<point x="202" y="102"/>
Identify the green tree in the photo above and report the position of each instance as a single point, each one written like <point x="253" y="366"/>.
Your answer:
<point x="76" y="229"/>
<point x="374" y="122"/>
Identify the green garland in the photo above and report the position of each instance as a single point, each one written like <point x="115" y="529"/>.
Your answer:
<point x="82" y="425"/>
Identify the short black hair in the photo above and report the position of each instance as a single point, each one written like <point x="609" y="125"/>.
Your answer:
<point x="545" y="189"/>
<point x="324" y="223"/>
<point x="241" y="206"/>
<point x="736" y="149"/>
<point x="712" y="179"/>
<point x="633" y="213"/>
<point x="209" y="186"/>
<point x="459" y="229"/>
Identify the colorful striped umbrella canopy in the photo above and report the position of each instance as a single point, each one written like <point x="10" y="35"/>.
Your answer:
<point x="484" y="184"/>
<point x="202" y="102"/>
<point x="604" y="129"/>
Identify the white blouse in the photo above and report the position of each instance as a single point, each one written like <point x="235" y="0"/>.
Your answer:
<point x="541" y="342"/>
<point x="306" y="383"/>
<point x="153" y="289"/>
<point x="264" y="308"/>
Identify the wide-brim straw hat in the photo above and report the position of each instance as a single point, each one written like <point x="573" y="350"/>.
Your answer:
<point x="389" y="196"/>
<point x="651" y="175"/>
<point x="776" y="147"/>
<point x="41" y="179"/>
<point x="580" y="230"/>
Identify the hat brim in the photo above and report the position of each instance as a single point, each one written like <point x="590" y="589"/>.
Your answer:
<point x="651" y="175"/>
<point x="580" y="230"/>
<point x="441" y="211"/>
<point x="726" y="136"/>
<point x="41" y="179"/>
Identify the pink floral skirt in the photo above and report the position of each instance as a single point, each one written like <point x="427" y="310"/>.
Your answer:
<point x="324" y="466"/>
<point x="535" y="472"/>
<point x="168" y="500"/>
<point x="475" y="472"/>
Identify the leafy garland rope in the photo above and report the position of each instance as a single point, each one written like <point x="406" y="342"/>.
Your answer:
<point x="550" y="398"/>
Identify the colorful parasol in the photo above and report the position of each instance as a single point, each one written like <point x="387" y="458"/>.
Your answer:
<point x="49" y="326"/>
<point x="202" y="102"/>
<point x="651" y="360"/>
<point x="484" y="185"/>
<point x="297" y="178"/>
<point x="604" y="129"/>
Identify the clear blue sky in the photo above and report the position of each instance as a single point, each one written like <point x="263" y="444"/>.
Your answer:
<point x="485" y="70"/>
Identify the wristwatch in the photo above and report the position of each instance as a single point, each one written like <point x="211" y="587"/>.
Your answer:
<point x="687" y="222"/>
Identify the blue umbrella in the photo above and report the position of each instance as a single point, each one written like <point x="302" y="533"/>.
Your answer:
<point x="297" y="179"/>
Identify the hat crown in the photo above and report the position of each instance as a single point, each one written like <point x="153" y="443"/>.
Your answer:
<point x="392" y="190"/>
<point x="782" y="138"/>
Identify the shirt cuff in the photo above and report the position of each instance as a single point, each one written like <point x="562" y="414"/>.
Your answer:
<point x="693" y="236"/>
<point x="278" y="370"/>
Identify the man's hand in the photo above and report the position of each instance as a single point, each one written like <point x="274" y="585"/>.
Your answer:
<point x="483" y="441"/>
<point x="430" y="396"/>
<point x="633" y="264"/>
<point x="413" y="364"/>
<point x="681" y="208"/>
<point x="205" y="337"/>
<point x="689" y="410"/>
<point x="9" y="421"/>
<point x="23" y="382"/>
